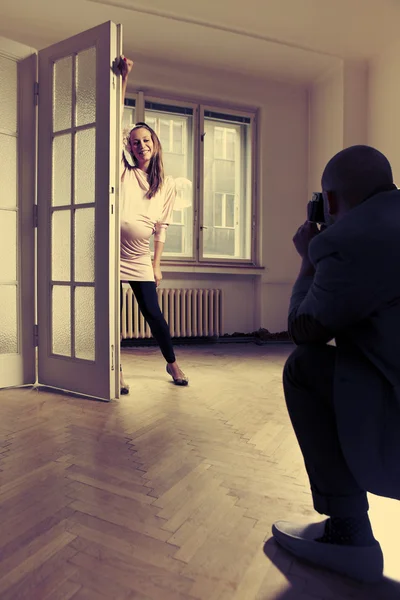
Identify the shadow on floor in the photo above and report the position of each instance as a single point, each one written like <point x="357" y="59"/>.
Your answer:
<point x="310" y="583"/>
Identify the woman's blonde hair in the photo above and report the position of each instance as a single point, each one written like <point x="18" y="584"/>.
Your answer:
<point x="156" y="167"/>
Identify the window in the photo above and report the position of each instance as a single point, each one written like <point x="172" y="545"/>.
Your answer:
<point x="209" y="153"/>
<point x="227" y="194"/>
<point x="224" y="210"/>
<point x="129" y="114"/>
<point x="224" y="143"/>
<point x="174" y="126"/>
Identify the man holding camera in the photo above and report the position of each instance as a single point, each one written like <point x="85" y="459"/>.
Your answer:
<point x="344" y="400"/>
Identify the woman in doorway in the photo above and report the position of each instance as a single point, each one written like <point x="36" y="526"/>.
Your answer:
<point x="146" y="204"/>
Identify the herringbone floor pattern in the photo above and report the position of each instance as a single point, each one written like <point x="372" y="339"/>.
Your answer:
<point x="167" y="494"/>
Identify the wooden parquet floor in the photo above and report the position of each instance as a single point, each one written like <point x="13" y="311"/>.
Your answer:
<point x="167" y="494"/>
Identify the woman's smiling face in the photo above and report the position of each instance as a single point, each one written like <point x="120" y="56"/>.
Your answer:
<point x="142" y="146"/>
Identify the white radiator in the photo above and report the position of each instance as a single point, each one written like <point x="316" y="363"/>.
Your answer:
<point x="189" y="313"/>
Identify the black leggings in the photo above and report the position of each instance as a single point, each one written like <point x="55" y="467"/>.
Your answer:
<point x="147" y="299"/>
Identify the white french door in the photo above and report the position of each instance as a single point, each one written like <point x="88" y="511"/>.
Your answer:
<point x="78" y="225"/>
<point x="17" y="197"/>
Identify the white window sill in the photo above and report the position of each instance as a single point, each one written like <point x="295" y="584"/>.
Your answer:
<point x="213" y="269"/>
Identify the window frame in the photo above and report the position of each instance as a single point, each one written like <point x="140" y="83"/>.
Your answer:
<point x="199" y="110"/>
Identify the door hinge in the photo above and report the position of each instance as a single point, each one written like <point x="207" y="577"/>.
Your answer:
<point x="112" y="190"/>
<point x="36" y="93"/>
<point x="112" y="358"/>
<point x="35" y="215"/>
<point x="36" y="336"/>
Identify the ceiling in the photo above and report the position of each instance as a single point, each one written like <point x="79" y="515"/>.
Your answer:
<point x="288" y="40"/>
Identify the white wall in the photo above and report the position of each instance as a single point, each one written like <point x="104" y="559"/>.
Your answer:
<point x="253" y="301"/>
<point x="326" y="115"/>
<point x="338" y="107"/>
<point x="384" y="102"/>
<point x="355" y="103"/>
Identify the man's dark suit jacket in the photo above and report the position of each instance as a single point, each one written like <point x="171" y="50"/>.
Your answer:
<point x="354" y="298"/>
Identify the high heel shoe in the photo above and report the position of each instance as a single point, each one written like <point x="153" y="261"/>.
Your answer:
<point x="124" y="389"/>
<point x="180" y="380"/>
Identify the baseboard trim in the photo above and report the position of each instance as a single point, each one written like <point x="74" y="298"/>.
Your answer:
<point x="206" y="341"/>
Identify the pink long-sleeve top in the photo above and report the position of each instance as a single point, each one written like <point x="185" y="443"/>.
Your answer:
<point x="140" y="219"/>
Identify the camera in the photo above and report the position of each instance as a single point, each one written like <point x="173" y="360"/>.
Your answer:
<point x="315" y="209"/>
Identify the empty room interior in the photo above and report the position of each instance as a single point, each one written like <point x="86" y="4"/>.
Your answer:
<point x="170" y="491"/>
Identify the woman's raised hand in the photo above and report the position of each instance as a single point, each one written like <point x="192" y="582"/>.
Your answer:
<point x="125" y="67"/>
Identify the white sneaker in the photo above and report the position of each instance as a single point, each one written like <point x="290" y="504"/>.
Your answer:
<point x="362" y="563"/>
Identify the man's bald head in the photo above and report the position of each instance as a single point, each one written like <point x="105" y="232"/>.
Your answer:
<point x="356" y="173"/>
